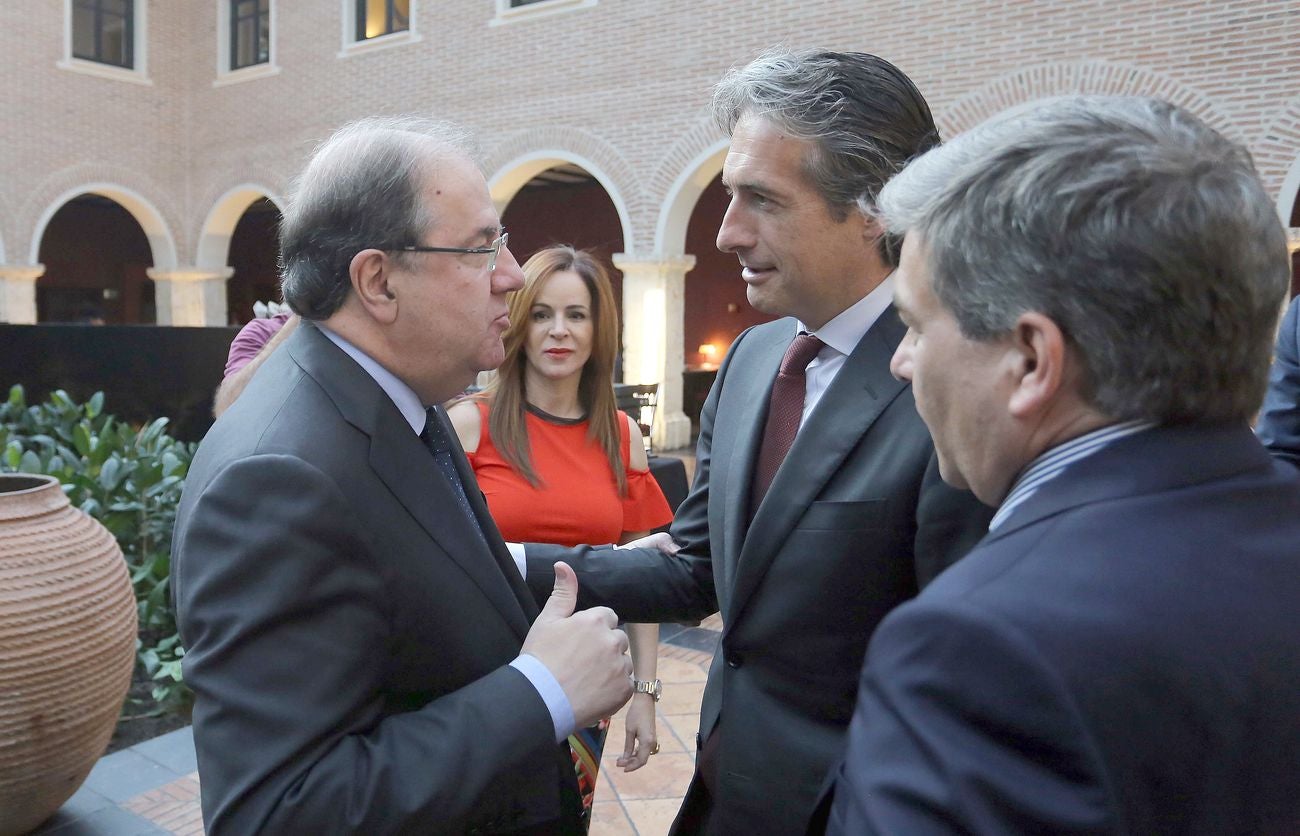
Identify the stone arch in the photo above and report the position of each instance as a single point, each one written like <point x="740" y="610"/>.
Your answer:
<point x="57" y="191"/>
<point x="522" y="157"/>
<point x="1089" y="77"/>
<point x="687" y="169"/>
<point x="1277" y="156"/>
<point x="219" y="225"/>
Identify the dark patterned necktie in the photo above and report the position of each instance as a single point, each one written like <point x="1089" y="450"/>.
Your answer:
<point x="436" y="439"/>
<point x="784" y="412"/>
<point x="585" y="745"/>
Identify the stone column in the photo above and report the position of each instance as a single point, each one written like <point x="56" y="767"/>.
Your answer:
<point x="654" y="312"/>
<point x="190" y="295"/>
<point x="18" y="292"/>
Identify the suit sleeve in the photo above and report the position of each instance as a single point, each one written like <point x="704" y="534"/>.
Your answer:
<point x="949" y="523"/>
<point x="283" y="616"/>
<point x="1279" y="421"/>
<point x="643" y="585"/>
<point x="961" y="728"/>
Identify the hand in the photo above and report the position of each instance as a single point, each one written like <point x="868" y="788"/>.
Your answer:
<point x="584" y="651"/>
<point x="640" y="741"/>
<point x="660" y="540"/>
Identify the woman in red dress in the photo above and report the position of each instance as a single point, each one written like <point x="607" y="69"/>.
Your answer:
<point x="557" y="461"/>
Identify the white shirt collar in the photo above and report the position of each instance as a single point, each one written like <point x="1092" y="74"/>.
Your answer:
<point x="403" y="397"/>
<point x="845" y="330"/>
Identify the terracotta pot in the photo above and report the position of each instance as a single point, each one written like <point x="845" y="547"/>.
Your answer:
<point x="67" y="647"/>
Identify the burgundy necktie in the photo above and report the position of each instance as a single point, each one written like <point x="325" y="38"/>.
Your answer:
<point x="784" y="412"/>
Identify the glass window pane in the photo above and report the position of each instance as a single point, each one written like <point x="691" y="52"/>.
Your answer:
<point x="83" y="32"/>
<point x="117" y="7"/>
<point x="244" y="8"/>
<point x="401" y="15"/>
<point x="112" y="41"/>
<point x="264" y="38"/>
<point x="244" y="43"/>
<point x="373" y="18"/>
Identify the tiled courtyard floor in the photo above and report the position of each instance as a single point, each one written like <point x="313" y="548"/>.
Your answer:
<point x="153" y="788"/>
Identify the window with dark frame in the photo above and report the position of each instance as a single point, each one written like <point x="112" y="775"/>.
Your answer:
<point x="250" y="33"/>
<point x="382" y="17"/>
<point x="104" y="31"/>
<point x="514" y="4"/>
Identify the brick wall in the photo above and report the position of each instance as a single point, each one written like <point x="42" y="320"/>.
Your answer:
<point x="623" y="84"/>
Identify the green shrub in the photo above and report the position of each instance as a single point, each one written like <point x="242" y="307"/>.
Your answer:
<point x="130" y="480"/>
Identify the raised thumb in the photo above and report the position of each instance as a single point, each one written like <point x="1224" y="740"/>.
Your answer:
<point x="564" y="597"/>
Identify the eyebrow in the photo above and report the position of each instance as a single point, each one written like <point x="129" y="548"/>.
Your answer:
<point x="488" y="232"/>
<point x="752" y="186"/>
<point x="566" y="307"/>
<point x="904" y="313"/>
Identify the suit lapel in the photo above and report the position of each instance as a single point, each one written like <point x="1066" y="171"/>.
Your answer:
<point x="402" y="462"/>
<point x="856" y="397"/>
<point x="479" y="506"/>
<point x="755" y="383"/>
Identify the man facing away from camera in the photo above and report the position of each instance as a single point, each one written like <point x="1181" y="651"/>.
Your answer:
<point x="1091" y="289"/>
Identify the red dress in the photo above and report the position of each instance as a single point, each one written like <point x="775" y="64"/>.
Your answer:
<point x="577" y="501"/>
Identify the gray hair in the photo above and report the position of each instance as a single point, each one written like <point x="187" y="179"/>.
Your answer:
<point x="360" y="189"/>
<point x="1141" y="232"/>
<point x="865" y="118"/>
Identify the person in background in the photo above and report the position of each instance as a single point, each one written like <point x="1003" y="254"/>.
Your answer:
<point x="557" y="462"/>
<point x="1091" y="288"/>
<point x="248" y="351"/>
<point x="1279" y="420"/>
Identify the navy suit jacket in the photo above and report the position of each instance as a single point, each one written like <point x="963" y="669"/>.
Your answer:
<point x="1279" y="421"/>
<point x="1120" y="656"/>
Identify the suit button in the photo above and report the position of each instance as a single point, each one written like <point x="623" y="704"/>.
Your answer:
<point x="735" y="660"/>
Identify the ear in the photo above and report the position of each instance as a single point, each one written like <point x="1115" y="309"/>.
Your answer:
<point x="872" y="229"/>
<point x="371" y="272"/>
<point x="1038" y="356"/>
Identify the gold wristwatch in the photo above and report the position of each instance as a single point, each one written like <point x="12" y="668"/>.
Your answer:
<point x="653" y="687"/>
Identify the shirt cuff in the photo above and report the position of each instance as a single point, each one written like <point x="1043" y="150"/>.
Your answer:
<point x="548" y="688"/>
<point x="521" y="560"/>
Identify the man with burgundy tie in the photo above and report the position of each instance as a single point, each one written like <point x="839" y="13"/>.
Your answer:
<point x="817" y="505"/>
<point x="365" y="656"/>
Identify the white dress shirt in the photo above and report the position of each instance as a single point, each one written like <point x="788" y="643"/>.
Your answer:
<point x="841" y="335"/>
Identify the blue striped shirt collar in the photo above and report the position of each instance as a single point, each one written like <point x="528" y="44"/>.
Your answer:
<point x="1051" y="463"/>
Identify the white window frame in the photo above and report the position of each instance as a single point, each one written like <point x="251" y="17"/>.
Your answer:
<point x="545" y="8"/>
<point x="139" y="74"/>
<point x="225" y="75"/>
<point x="351" y="46"/>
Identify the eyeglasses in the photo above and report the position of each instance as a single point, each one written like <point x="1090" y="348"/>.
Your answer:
<point x="494" y="249"/>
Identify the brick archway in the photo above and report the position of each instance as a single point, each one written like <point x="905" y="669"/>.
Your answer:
<point x="1277" y="156"/>
<point x="518" y="158"/>
<point x="129" y="189"/>
<point x="1103" y="78"/>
